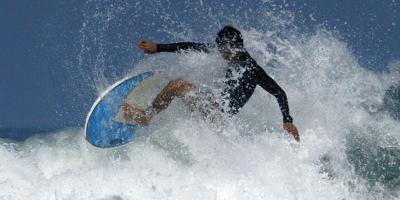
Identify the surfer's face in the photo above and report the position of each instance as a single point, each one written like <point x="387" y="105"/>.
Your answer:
<point x="225" y="52"/>
<point x="230" y="42"/>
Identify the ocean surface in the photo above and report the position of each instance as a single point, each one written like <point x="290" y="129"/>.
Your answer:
<point x="348" y="117"/>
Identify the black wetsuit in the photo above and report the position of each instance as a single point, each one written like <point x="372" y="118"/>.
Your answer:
<point x="239" y="88"/>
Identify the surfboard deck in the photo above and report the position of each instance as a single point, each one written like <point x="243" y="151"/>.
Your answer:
<point x="104" y="127"/>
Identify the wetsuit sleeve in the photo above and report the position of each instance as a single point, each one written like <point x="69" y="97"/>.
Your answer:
<point x="183" y="46"/>
<point x="273" y="88"/>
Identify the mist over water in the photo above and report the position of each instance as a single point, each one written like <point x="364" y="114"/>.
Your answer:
<point x="346" y="115"/>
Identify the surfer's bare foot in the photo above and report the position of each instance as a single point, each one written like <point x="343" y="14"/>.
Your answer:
<point x="136" y="114"/>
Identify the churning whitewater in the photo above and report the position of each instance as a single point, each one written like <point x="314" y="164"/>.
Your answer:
<point x="349" y="145"/>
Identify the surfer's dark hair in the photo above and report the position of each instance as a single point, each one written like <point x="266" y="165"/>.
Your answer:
<point x="230" y="36"/>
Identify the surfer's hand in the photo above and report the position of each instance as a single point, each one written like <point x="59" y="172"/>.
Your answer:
<point x="291" y="129"/>
<point x="148" y="46"/>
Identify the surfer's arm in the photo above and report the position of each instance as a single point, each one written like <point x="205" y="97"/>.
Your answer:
<point x="183" y="46"/>
<point x="150" y="47"/>
<point x="273" y="88"/>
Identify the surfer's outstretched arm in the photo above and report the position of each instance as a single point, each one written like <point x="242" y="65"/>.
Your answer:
<point x="273" y="88"/>
<point x="183" y="46"/>
<point x="150" y="47"/>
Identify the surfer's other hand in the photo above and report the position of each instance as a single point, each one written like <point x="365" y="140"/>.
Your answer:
<point x="291" y="129"/>
<point x="148" y="46"/>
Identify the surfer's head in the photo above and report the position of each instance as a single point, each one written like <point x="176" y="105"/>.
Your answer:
<point x="229" y="41"/>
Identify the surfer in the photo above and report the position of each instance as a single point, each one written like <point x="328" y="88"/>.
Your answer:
<point x="242" y="76"/>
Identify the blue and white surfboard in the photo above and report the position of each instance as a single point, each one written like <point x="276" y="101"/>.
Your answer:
<point x="101" y="128"/>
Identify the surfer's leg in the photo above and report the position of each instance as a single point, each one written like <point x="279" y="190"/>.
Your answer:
<point x="175" y="88"/>
<point x="204" y="101"/>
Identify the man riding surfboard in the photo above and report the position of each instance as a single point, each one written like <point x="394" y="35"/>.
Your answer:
<point x="238" y="89"/>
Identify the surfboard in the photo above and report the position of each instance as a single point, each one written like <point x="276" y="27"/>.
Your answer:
<point x="104" y="127"/>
